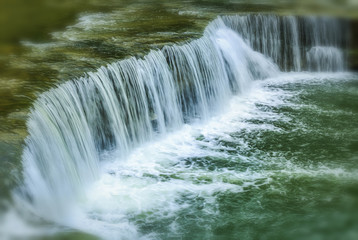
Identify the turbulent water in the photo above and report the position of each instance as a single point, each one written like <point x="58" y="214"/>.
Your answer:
<point x="175" y="144"/>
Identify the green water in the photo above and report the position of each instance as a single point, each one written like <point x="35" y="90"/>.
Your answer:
<point x="318" y="201"/>
<point x="304" y="152"/>
<point x="308" y="162"/>
<point x="309" y="159"/>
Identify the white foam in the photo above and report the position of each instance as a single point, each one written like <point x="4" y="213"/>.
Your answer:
<point x="148" y="121"/>
<point x="153" y="178"/>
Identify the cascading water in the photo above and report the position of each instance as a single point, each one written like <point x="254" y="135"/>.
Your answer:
<point x="325" y="59"/>
<point x="131" y="102"/>
<point x="288" y="40"/>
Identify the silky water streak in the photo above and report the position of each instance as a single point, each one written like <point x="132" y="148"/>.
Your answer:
<point x="133" y="101"/>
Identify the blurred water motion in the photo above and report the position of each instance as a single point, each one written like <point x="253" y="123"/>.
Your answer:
<point x="296" y="181"/>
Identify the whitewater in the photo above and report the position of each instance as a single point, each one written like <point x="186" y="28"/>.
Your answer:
<point x="120" y="148"/>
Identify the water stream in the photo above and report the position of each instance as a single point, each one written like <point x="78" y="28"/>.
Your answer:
<point x="200" y="140"/>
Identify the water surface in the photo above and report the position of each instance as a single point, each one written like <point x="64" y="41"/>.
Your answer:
<point x="278" y="161"/>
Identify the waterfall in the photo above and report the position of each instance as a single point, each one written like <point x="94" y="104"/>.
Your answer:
<point x="288" y="40"/>
<point x="325" y="59"/>
<point x="133" y="101"/>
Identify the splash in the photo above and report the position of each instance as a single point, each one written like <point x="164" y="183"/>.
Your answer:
<point x="117" y="110"/>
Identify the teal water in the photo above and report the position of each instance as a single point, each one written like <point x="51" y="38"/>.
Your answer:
<point x="278" y="161"/>
<point x="291" y="169"/>
<point x="310" y="158"/>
